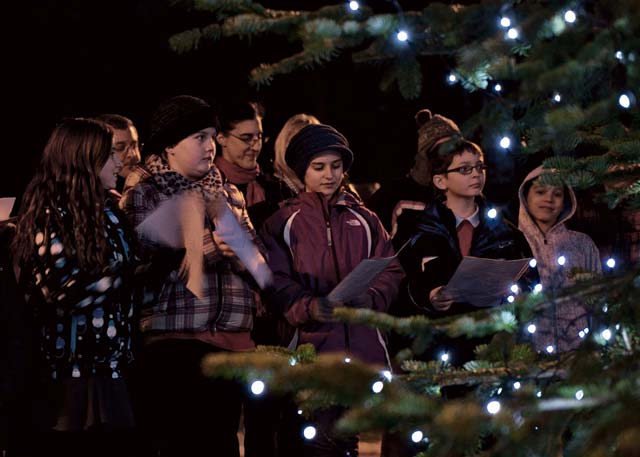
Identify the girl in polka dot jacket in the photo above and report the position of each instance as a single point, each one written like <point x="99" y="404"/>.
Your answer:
<point x="76" y="267"/>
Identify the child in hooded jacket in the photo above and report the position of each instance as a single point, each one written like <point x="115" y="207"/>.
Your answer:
<point x="544" y="210"/>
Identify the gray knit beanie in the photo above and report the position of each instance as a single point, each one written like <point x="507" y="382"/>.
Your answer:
<point x="312" y="140"/>
<point x="175" y="119"/>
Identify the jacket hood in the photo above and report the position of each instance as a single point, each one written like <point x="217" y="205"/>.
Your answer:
<point x="525" y="221"/>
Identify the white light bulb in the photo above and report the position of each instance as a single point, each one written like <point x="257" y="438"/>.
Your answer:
<point x="402" y="36"/>
<point x="452" y="78"/>
<point x="557" y="97"/>
<point x="586" y="330"/>
<point x="606" y="334"/>
<point x="512" y="34"/>
<point x="505" y="142"/>
<point x="619" y="55"/>
<point x="493" y="407"/>
<point x="514" y="288"/>
<point x="387" y="375"/>
<point x="505" y="22"/>
<point x="417" y="436"/>
<point x="299" y="412"/>
<point x="581" y="334"/>
<point x="538" y="394"/>
<point x="570" y="16"/>
<point x="497" y="87"/>
<point x="605" y="308"/>
<point x="309" y="432"/>
<point x="517" y="385"/>
<point x="531" y="328"/>
<point x="511" y="298"/>
<point x="499" y="390"/>
<point x="354" y="6"/>
<point x="347" y="360"/>
<point x="377" y="387"/>
<point x="444" y="357"/>
<point x="292" y="361"/>
<point x="625" y="101"/>
<point x="537" y="288"/>
<point x="257" y="387"/>
<point x="492" y="213"/>
<point x="561" y="260"/>
<point x="579" y="394"/>
<point x="611" y="262"/>
<point x="550" y="349"/>
<point x="533" y="263"/>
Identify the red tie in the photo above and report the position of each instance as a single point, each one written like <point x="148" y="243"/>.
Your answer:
<point x="465" y="234"/>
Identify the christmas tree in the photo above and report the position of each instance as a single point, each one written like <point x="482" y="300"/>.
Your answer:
<point x="559" y="80"/>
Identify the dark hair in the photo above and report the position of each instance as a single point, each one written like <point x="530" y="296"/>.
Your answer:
<point x="116" y="121"/>
<point x="234" y="113"/>
<point x="441" y="156"/>
<point x="68" y="177"/>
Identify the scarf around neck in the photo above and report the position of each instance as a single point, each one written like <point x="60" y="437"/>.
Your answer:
<point x="240" y="176"/>
<point x="171" y="182"/>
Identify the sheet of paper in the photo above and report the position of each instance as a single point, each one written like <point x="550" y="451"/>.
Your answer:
<point x="6" y="205"/>
<point x="485" y="282"/>
<point x="357" y="282"/>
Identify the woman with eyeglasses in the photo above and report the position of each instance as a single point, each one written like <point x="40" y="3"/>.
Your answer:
<point x="76" y="262"/>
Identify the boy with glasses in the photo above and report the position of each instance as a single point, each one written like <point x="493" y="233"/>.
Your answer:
<point x="458" y="224"/>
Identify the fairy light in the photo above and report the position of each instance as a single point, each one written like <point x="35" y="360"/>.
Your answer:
<point x="347" y="360"/>
<point x="539" y="394"/>
<point x="517" y="385"/>
<point x="354" y="6"/>
<point x="624" y="101"/>
<point x="451" y="79"/>
<point x="557" y="97"/>
<point x="387" y="375"/>
<point x="533" y="263"/>
<point x="606" y="334"/>
<point x="511" y="298"/>
<point x="299" y="412"/>
<point x="580" y="394"/>
<point x="611" y="262"/>
<point x="537" y="288"/>
<point x="505" y="142"/>
<point x="493" y="407"/>
<point x="570" y="16"/>
<point x="292" y="361"/>
<point x="492" y="213"/>
<point x="377" y="387"/>
<point x="257" y="387"/>
<point x="531" y="328"/>
<point x="512" y="33"/>
<point x="402" y="36"/>
<point x="505" y="22"/>
<point x="498" y="87"/>
<point x="309" y="432"/>
<point x="514" y="288"/>
<point x="444" y="357"/>
<point x="561" y="260"/>
<point x="550" y="349"/>
<point x="417" y="436"/>
<point x="619" y="55"/>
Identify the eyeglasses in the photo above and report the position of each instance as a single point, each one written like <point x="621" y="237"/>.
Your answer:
<point x="467" y="169"/>
<point x="250" y="139"/>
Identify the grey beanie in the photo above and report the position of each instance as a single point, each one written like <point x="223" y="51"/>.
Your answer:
<point x="312" y="140"/>
<point x="175" y="119"/>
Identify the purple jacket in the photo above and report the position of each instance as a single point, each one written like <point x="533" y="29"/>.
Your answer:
<point x="312" y="244"/>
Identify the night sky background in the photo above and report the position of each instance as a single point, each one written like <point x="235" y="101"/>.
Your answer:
<point x="87" y="58"/>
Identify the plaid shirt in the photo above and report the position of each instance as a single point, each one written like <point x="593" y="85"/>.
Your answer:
<point x="228" y="298"/>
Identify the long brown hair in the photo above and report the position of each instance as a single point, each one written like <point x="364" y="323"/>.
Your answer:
<point x="68" y="178"/>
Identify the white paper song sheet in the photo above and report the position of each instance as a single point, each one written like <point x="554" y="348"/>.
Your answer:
<point x="484" y="282"/>
<point x="359" y="279"/>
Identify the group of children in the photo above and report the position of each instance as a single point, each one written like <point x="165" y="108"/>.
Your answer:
<point x="120" y="335"/>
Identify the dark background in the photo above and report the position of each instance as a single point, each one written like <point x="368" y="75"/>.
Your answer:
<point x="83" y="58"/>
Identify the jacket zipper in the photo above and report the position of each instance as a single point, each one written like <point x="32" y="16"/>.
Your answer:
<point x="325" y="213"/>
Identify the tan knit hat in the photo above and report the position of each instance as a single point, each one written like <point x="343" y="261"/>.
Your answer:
<point x="432" y="129"/>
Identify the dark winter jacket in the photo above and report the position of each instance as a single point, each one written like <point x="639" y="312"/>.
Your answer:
<point x="493" y="238"/>
<point x="312" y="244"/>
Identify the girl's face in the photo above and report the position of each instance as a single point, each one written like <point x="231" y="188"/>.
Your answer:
<point x="324" y="174"/>
<point x="109" y="171"/>
<point x="242" y="145"/>
<point x="545" y="203"/>
<point x="192" y="157"/>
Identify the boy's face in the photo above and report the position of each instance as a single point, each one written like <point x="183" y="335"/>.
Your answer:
<point x="545" y="203"/>
<point x="456" y="184"/>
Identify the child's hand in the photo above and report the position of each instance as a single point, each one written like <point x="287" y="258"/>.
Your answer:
<point x="440" y="299"/>
<point x="322" y="309"/>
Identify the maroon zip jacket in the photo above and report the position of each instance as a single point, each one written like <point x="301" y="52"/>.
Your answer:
<point x="312" y="244"/>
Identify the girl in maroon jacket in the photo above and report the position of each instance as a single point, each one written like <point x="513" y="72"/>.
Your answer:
<point x="313" y="242"/>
